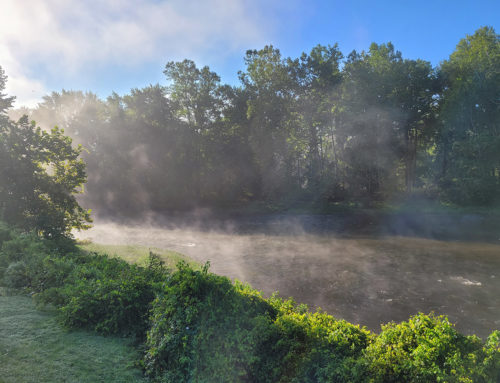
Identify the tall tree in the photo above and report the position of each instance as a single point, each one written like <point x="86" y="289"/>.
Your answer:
<point x="274" y="138"/>
<point x="387" y="104"/>
<point x="470" y="115"/>
<point x="40" y="174"/>
<point x="318" y="79"/>
<point x="199" y="102"/>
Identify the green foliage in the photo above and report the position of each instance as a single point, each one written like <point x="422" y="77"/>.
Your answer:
<point x="5" y="101"/>
<point x="6" y="233"/>
<point x="469" y="139"/>
<point x="16" y="275"/>
<point x="92" y="291"/>
<point x="110" y="296"/>
<point x="297" y="132"/>
<point x="429" y="349"/>
<point x="204" y="328"/>
<point x="299" y="346"/>
<point x="40" y="174"/>
<point x="23" y="262"/>
<point x="386" y="117"/>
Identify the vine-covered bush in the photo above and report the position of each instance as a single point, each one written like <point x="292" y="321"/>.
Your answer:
<point x="204" y="328"/>
<point x="313" y="347"/>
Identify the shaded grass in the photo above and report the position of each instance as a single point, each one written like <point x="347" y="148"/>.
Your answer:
<point x="34" y="348"/>
<point x="138" y="254"/>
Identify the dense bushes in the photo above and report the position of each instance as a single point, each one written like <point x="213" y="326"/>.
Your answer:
<point x="200" y="327"/>
<point x="109" y="295"/>
<point x="92" y="291"/>
<point x="429" y="349"/>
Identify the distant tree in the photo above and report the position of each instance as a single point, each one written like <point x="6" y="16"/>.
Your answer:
<point x="198" y="103"/>
<point x="318" y="78"/>
<point x="5" y="101"/>
<point x="469" y="139"/>
<point x="387" y="104"/>
<point x="274" y="135"/>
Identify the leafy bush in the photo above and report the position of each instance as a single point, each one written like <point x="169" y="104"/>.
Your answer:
<point x="204" y="328"/>
<point x="5" y="233"/>
<point x="309" y="347"/>
<point x="107" y="295"/>
<point x="21" y="256"/>
<point x="16" y="275"/>
<point x="429" y="349"/>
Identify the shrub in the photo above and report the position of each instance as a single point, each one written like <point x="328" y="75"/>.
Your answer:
<point x="204" y="328"/>
<point x="105" y="294"/>
<point x="5" y="233"/>
<point x="16" y="275"/>
<point x="20" y="258"/>
<point x="112" y="303"/>
<point x="429" y="349"/>
<point x="29" y="262"/>
<point x="310" y="347"/>
<point x="92" y="291"/>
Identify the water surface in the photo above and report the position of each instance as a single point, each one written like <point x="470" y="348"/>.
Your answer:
<point x="366" y="279"/>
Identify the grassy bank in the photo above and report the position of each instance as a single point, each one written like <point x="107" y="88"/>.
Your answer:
<point x="137" y="254"/>
<point x="35" y="348"/>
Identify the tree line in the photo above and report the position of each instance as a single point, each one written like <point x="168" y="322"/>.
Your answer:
<point x="320" y="128"/>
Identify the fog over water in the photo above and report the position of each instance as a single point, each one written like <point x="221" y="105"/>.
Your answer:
<point x="369" y="277"/>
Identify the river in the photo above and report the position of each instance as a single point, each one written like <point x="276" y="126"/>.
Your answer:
<point x="367" y="270"/>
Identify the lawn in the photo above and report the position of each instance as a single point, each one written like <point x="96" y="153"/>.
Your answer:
<point x="35" y="348"/>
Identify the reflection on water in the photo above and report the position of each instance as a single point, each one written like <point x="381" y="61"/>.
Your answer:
<point x="364" y="280"/>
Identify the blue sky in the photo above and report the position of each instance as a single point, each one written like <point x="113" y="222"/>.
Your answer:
<point x="115" y="45"/>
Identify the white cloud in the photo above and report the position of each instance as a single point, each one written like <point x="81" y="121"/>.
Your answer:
<point x="43" y="38"/>
<point x="28" y="91"/>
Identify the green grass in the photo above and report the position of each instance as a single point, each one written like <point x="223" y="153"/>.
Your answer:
<point x="138" y="254"/>
<point x="34" y="348"/>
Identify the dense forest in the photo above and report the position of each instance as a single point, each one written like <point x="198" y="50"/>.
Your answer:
<point x="322" y="128"/>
